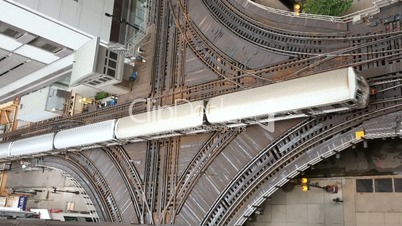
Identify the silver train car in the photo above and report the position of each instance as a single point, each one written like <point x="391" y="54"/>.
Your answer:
<point x="327" y="92"/>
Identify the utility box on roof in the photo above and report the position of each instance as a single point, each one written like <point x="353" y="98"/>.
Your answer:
<point x="43" y="104"/>
<point x="96" y="66"/>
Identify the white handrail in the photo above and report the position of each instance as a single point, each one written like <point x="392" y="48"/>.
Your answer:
<point x="377" y="5"/>
<point x="129" y="49"/>
<point x="88" y="202"/>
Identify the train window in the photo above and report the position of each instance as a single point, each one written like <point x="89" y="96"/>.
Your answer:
<point x="359" y="94"/>
<point x="68" y="218"/>
<point x="350" y="103"/>
<point x="305" y="111"/>
<point x="336" y="105"/>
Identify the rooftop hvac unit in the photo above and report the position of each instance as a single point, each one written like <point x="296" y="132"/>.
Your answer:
<point x="43" y="104"/>
<point x="96" y="66"/>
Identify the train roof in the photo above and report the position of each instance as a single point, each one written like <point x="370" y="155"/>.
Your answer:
<point x="4" y="149"/>
<point x="85" y="135"/>
<point x="316" y="90"/>
<point x="33" y="145"/>
<point x="164" y="120"/>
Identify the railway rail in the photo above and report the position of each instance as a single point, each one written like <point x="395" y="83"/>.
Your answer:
<point x="158" y="65"/>
<point x="285" y="162"/>
<point x="170" y="61"/>
<point x="169" y="159"/>
<point x="94" y="180"/>
<point x="200" y="163"/>
<point x="91" y="199"/>
<point x="356" y="53"/>
<point x="87" y="167"/>
<point x="367" y="53"/>
<point x="286" y="42"/>
<point x="159" y="195"/>
<point x="282" y="152"/>
<point x="211" y="89"/>
<point x="371" y="52"/>
<point x="375" y="53"/>
<point x="151" y="173"/>
<point x="131" y="179"/>
<point x="57" y="162"/>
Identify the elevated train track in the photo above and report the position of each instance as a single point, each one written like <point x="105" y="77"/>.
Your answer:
<point x="93" y="181"/>
<point x="159" y="67"/>
<point x="88" y="168"/>
<point x="115" y="181"/>
<point x="92" y="192"/>
<point x="286" y="43"/>
<point x="130" y="177"/>
<point x="369" y="52"/>
<point x="199" y="164"/>
<point x="282" y="152"/>
<point x="175" y="199"/>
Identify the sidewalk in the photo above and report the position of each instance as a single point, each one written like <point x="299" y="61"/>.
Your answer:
<point x="299" y="208"/>
<point x="378" y="204"/>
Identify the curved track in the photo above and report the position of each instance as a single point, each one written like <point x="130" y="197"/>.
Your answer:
<point x="286" y="42"/>
<point x="91" y="171"/>
<point x="249" y="159"/>
<point x="90" y="180"/>
<point x="287" y="149"/>
<point x="132" y="180"/>
<point x="273" y="40"/>
<point x="376" y="52"/>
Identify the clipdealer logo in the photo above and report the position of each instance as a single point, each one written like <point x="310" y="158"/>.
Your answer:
<point x="155" y="113"/>
<point x="267" y="123"/>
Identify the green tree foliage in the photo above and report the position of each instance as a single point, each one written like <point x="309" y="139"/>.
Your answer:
<point x="326" y="7"/>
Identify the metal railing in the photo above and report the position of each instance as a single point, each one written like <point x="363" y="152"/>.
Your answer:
<point x="130" y="48"/>
<point x="88" y="202"/>
<point x="377" y="5"/>
<point x="315" y="155"/>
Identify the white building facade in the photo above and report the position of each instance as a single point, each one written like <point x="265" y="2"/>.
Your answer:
<point x="38" y="39"/>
